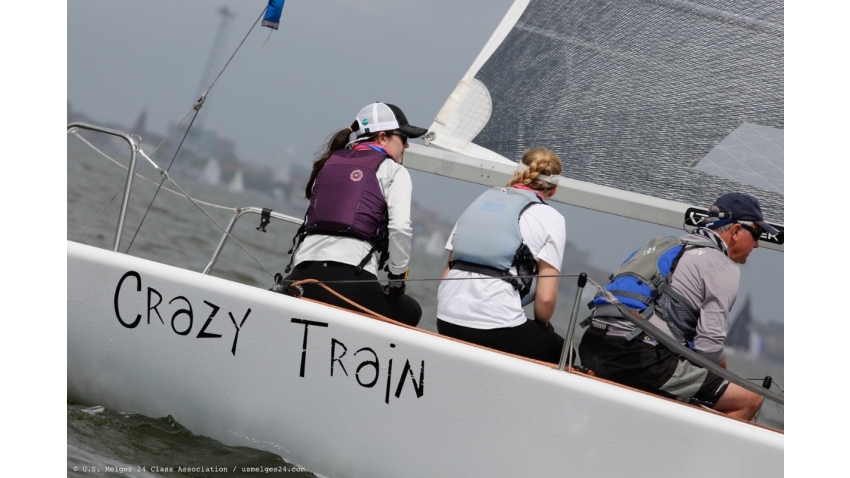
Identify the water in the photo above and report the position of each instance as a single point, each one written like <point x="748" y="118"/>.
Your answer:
<point x="104" y="442"/>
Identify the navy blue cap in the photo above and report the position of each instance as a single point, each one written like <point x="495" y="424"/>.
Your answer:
<point x="742" y="207"/>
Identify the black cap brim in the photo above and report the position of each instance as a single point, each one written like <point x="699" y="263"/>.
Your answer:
<point x="413" y="131"/>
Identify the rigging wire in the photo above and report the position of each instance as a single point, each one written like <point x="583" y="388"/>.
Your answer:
<point x="197" y="108"/>
<point x="165" y="176"/>
<point x="145" y="178"/>
<point x="121" y="189"/>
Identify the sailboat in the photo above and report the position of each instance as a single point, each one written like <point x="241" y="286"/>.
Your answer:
<point x="212" y="172"/>
<point x="237" y="183"/>
<point x="345" y="394"/>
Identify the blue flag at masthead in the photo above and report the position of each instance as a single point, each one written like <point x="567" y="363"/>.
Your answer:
<point x="272" y="17"/>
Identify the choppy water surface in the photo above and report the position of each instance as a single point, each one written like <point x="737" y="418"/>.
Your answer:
<point x="102" y="442"/>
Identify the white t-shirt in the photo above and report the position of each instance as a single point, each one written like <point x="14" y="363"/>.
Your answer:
<point x="485" y="302"/>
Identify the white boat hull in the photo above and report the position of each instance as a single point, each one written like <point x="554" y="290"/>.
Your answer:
<point x="357" y="397"/>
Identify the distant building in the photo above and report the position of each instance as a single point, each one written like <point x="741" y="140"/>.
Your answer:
<point x="141" y="126"/>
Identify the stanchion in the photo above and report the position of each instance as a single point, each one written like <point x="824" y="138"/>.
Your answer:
<point x="568" y="340"/>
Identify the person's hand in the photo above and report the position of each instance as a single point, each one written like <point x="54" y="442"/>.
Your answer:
<point x="395" y="284"/>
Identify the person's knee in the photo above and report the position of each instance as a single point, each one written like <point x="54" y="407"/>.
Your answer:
<point x="739" y="402"/>
<point x="754" y="404"/>
<point x="411" y="312"/>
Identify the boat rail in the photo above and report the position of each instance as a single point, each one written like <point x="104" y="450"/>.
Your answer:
<point x="265" y="216"/>
<point x="134" y="148"/>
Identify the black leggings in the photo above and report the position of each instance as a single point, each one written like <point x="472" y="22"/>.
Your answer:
<point x="367" y="292"/>
<point x="527" y="340"/>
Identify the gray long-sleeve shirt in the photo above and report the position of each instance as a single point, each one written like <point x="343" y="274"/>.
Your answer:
<point x="709" y="281"/>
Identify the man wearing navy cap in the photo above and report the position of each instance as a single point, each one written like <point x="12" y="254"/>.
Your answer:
<point x="704" y="286"/>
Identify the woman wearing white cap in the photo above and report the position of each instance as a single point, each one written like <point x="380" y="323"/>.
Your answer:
<point x="506" y="237"/>
<point x="358" y="220"/>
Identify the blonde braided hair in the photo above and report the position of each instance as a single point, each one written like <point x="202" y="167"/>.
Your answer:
<point x="540" y="161"/>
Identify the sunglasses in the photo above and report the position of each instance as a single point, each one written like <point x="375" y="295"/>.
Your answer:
<point x="756" y="232"/>
<point x="403" y="136"/>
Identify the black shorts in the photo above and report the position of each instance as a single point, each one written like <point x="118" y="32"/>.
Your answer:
<point x="652" y="368"/>
<point x="526" y="340"/>
<point x="366" y="291"/>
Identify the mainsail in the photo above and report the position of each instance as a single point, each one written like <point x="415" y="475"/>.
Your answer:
<point x="653" y="106"/>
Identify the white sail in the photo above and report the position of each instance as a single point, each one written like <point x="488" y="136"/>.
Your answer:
<point x="633" y="97"/>
<point x="237" y="183"/>
<point x="212" y="172"/>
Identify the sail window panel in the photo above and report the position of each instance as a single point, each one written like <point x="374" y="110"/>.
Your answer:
<point x="752" y="154"/>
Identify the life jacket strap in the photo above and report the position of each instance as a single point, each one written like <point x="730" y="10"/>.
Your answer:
<point x="296" y="242"/>
<point x="382" y="247"/>
<point x="667" y="289"/>
<point x="487" y="271"/>
<point x="631" y="295"/>
<point x="478" y="268"/>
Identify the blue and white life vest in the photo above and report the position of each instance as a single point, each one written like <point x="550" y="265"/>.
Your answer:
<point x="487" y="239"/>
<point x="643" y="283"/>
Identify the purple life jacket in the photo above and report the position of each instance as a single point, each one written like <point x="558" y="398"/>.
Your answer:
<point x="347" y="201"/>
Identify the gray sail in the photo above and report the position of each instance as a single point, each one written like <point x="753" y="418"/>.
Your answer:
<point x="676" y="100"/>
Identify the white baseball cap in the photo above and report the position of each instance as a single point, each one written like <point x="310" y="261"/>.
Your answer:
<point x="383" y="117"/>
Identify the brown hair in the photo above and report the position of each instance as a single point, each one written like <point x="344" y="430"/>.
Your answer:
<point x="336" y="142"/>
<point x="539" y="161"/>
